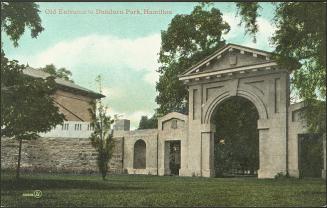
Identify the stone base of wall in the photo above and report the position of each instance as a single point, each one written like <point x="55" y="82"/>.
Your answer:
<point x="294" y="173"/>
<point x="56" y="155"/>
<point x="147" y="171"/>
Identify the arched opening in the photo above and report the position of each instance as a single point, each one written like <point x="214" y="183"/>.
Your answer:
<point x="139" y="155"/>
<point x="236" y="141"/>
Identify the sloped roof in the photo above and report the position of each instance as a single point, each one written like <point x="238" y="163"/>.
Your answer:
<point x="227" y="47"/>
<point x="62" y="83"/>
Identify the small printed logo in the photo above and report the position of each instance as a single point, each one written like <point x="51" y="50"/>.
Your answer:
<point x="37" y="194"/>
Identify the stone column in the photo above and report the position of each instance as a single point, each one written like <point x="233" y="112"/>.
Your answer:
<point x="273" y="128"/>
<point x="264" y="150"/>
<point x="164" y="158"/>
<point x="207" y="159"/>
<point x="184" y="148"/>
<point x="167" y="158"/>
<point x="323" y="174"/>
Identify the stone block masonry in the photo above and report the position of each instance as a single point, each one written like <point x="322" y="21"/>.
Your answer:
<point x="64" y="155"/>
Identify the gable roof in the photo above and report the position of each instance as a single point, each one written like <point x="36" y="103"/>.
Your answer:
<point x="169" y="116"/>
<point x="64" y="84"/>
<point x="228" y="47"/>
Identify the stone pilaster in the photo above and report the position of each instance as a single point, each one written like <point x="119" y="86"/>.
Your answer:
<point x="207" y="149"/>
<point x="323" y="172"/>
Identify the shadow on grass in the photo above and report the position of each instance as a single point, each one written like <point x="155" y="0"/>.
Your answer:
<point x="24" y="183"/>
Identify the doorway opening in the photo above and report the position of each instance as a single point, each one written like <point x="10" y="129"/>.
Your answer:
<point x="311" y="155"/>
<point x="139" y="155"/>
<point x="174" y="157"/>
<point x="236" y="145"/>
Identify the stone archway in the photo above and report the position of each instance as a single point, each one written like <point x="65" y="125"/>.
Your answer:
<point x="212" y="104"/>
<point x="236" y="140"/>
<point x="209" y="110"/>
<point x="238" y="71"/>
<point x="139" y="155"/>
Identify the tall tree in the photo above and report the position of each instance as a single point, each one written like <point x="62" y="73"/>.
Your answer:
<point x="102" y="137"/>
<point x="148" y="123"/>
<point x="188" y="39"/>
<point x="16" y="16"/>
<point x="25" y="98"/>
<point x="300" y="41"/>
<point x="58" y="73"/>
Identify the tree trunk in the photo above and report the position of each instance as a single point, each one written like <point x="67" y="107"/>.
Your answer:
<point x="19" y="158"/>
<point x="104" y="173"/>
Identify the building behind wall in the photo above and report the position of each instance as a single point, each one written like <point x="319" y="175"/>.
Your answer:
<point x="75" y="102"/>
<point x="65" y="148"/>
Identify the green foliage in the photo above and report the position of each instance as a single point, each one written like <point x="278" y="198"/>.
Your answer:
<point x="16" y="16"/>
<point x="62" y="73"/>
<point x="300" y="41"/>
<point x="249" y="13"/>
<point x="301" y="35"/>
<point x="27" y="107"/>
<point x="25" y="99"/>
<point x="102" y="137"/>
<point x="236" y="139"/>
<point x="188" y="39"/>
<point x="315" y="114"/>
<point x="146" y="123"/>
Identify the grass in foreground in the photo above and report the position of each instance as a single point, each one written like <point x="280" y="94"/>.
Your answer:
<point x="128" y="190"/>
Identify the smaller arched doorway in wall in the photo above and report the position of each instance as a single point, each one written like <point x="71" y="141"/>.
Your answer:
<point x="236" y="140"/>
<point x="139" y="161"/>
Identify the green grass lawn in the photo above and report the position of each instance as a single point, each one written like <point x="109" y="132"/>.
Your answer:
<point x="128" y="190"/>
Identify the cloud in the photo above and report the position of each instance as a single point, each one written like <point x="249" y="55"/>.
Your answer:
<point x="152" y="77"/>
<point x="237" y="33"/>
<point x="138" y="54"/>
<point x="266" y="30"/>
<point x="113" y="92"/>
<point x="128" y="68"/>
<point x="233" y="21"/>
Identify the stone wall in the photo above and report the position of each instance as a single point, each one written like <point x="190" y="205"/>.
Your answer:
<point x="56" y="155"/>
<point x="149" y="136"/>
<point x="296" y="126"/>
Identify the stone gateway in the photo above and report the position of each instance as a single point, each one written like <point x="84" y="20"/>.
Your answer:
<point x="184" y="144"/>
<point x="233" y="70"/>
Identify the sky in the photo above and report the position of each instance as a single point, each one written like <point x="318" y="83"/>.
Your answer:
<point x="122" y="46"/>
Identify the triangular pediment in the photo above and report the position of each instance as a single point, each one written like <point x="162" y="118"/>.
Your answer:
<point x="230" y="56"/>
